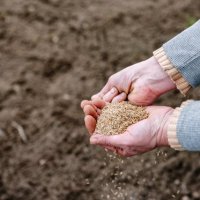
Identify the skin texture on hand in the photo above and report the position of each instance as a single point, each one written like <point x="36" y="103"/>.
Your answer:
<point x="141" y="84"/>
<point x="139" y="138"/>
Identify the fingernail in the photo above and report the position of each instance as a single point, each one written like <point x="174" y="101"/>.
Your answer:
<point x="93" y="97"/>
<point x="114" y="101"/>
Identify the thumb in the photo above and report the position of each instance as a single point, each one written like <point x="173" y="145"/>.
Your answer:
<point x="113" y="140"/>
<point x="142" y="96"/>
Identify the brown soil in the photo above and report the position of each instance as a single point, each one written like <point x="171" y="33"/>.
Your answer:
<point x="53" y="54"/>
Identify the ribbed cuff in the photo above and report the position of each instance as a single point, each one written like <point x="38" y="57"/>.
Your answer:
<point x="182" y="85"/>
<point x="172" y="128"/>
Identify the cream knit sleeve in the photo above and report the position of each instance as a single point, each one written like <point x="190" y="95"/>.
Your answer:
<point x="182" y="85"/>
<point x="172" y="128"/>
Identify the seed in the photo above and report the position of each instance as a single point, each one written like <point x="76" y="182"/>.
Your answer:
<point x="117" y="117"/>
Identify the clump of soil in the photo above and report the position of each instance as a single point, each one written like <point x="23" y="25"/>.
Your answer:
<point x="117" y="117"/>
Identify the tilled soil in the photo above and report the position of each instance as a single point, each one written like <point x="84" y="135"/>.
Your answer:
<point x="53" y="54"/>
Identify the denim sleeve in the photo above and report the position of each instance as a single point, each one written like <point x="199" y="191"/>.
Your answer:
<point x="188" y="127"/>
<point x="184" y="53"/>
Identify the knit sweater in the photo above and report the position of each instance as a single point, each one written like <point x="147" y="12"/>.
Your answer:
<point x="180" y="59"/>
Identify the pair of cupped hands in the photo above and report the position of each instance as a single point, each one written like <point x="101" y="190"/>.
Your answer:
<point x="140" y="84"/>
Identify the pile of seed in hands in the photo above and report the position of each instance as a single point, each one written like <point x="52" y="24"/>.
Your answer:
<point x="117" y="117"/>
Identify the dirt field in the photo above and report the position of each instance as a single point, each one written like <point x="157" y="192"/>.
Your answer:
<point x="53" y="54"/>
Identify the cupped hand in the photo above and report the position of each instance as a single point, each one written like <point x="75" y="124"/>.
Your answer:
<point x="141" y="137"/>
<point x="141" y="84"/>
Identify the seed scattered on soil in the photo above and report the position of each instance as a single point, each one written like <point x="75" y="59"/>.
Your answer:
<point x="117" y="117"/>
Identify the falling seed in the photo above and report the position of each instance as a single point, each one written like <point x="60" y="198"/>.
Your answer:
<point x="87" y="182"/>
<point x="42" y="162"/>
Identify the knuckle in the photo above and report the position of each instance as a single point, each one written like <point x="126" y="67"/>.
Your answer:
<point x="111" y="79"/>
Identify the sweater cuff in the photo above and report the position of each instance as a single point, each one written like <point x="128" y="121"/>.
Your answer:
<point x="182" y="85"/>
<point x="172" y="127"/>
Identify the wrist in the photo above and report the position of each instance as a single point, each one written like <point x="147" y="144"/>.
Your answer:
<point x="162" y="137"/>
<point x="162" y="78"/>
<point x="180" y="82"/>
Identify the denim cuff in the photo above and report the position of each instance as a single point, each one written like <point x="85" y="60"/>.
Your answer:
<point x="182" y="85"/>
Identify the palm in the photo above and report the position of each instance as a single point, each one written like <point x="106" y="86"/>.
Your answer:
<point x="144" y="135"/>
<point x="140" y="137"/>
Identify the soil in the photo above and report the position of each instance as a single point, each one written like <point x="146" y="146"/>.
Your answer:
<point x="53" y="54"/>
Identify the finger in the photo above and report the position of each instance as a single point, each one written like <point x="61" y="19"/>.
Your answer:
<point x="97" y="96"/>
<point x="99" y="104"/>
<point x="119" y="98"/>
<point x="83" y="103"/>
<point x="108" y="97"/>
<point x="134" y="136"/>
<point x="109" y="148"/>
<point x="100" y="95"/>
<point x="113" y="149"/>
<point x="114" y="140"/>
<point x="125" y="153"/>
<point x="90" y="124"/>
<point x="89" y="110"/>
<point x="86" y="102"/>
<point x="120" y="152"/>
<point x="98" y="111"/>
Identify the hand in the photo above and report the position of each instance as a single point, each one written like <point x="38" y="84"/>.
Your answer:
<point x="141" y="84"/>
<point x="138" y="138"/>
<point x="92" y="110"/>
